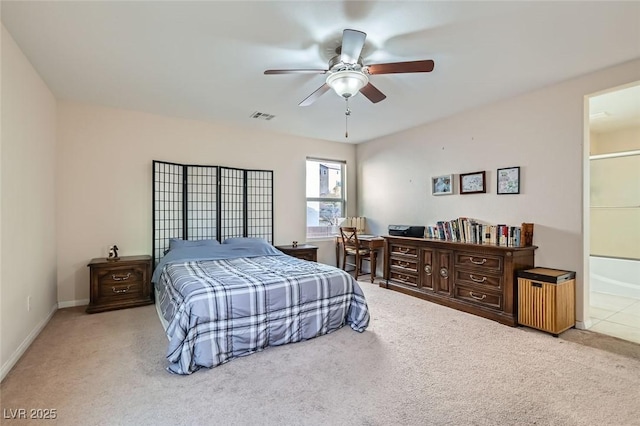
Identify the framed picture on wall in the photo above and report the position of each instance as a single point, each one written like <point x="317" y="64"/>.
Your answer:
<point x="509" y="180"/>
<point x="472" y="183"/>
<point x="442" y="185"/>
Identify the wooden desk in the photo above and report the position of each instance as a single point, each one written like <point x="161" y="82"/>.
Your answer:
<point x="373" y="243"/>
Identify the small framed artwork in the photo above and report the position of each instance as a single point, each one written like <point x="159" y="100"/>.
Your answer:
<point x="509" y="180"/>
<point x="442" y="185"/>
<point x="472" y="183"/>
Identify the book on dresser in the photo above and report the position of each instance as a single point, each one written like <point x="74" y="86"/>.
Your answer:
<point x="468" y="230"/>
<point x="478" y="278"/>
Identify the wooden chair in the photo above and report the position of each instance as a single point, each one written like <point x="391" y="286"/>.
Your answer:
<point x="351" y="247"/>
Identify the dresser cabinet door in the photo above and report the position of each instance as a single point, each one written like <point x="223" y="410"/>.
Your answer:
<point x="436" y="270"/>
<point x="430" y="265"/>
<point x="444" y="278"/>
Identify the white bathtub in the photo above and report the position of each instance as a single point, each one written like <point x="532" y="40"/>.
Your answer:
<point x="615" y="276"/>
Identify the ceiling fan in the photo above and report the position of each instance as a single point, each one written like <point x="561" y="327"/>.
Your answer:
<point x="347" y="75"/>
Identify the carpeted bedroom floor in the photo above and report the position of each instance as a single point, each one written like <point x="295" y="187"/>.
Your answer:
<point x="418" y="363"/>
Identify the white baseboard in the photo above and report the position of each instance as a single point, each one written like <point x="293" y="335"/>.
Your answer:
<point x="72" y="303"/>
<point x="13" y="359"/>
<point x="583" y="325"/>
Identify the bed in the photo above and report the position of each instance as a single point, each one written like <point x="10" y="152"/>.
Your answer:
<point x="218" y="301"/>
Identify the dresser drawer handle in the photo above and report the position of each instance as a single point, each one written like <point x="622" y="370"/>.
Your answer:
<point x="427" y="269"/>
<point x="484" y="296"/>
<point x="121" y="277"/>
<point x="121" y="290"/>
<point x="444" y="273"/>
<point x="403" y="251"/>
<point x="403" y="264"/>
<point x="476" y="279"/>
<point x="478" y="263"/>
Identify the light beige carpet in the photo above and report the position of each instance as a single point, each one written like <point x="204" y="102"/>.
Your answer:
<point x="418" y="363"/>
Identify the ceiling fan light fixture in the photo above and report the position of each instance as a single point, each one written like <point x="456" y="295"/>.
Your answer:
<point x="347" y="83"/>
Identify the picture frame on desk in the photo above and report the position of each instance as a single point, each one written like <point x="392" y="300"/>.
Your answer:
<point x="473" y="183"/>
<point x="508" y="180"/>
<point x="442" y="185"/>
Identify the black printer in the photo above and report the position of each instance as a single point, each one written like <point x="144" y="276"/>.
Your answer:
<point x="406" y="231"/>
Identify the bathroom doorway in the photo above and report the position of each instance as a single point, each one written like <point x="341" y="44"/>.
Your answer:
<point x="614" y="213"/>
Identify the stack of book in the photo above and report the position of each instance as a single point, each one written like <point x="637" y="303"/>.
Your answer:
<point x="466" y="230"/>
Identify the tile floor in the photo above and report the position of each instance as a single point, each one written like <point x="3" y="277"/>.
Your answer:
<point x="615" y="316"/>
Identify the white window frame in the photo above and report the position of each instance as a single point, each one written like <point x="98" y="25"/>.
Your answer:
<point x="331" y="230"/>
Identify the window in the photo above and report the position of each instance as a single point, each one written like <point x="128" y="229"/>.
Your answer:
<point x="326" y="203"/>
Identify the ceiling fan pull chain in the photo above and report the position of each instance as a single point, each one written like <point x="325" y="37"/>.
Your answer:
<point x="347" y="113"/>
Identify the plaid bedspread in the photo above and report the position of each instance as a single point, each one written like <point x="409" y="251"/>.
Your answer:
<point x="218" y="310"/>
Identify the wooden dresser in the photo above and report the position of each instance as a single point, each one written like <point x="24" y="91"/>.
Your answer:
<point x="301" y="251"/>
<point x="475" y="278"/>
<point x="118" y="284"/>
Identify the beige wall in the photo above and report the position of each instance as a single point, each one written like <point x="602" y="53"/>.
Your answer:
<point x="104" y="180"/>
<point x="627" y="139"/>
<point x="615" y="195"/>
<point x="27" y="218"/>
<point x="541" y="131"/>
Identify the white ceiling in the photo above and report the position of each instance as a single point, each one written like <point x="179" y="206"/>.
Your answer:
<point x="205" y="60"/>
<point x="615" y="110"/>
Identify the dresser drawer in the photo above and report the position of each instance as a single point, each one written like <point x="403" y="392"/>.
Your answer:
<point x="402" y="250"/>
<point x="479" y="261"/>
<point x="125" y="290"/>
<point x="479" y="278"/>
<point x="120" y="276"/>
<point x="404" y="264"/>
<point x="120" y="283"/>
<point x="479" y="296"/>
<point x="403" y="278"/>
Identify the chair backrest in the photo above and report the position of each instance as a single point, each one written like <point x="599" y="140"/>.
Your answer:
<point x="349" y="236"/>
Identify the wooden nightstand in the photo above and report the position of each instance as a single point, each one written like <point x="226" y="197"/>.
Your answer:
<point x="301" y="251"/>
<point x="119" y="284"/>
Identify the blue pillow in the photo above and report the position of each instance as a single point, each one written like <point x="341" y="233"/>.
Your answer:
<point x="175" y="243"/>
<point x="245" y="240"/>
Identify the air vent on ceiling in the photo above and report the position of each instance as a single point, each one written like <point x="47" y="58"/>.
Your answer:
<point x="262" y="115"/>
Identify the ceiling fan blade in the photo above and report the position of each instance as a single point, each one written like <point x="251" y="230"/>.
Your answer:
<point x="296" y="71"/>
<point x="401" y="67"/>
<point x="352" y="44"/>
<point x="372" y="93"/>
<point x="315" y="95"/>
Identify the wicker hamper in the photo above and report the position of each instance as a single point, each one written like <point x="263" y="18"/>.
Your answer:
<point x="546" y="299"/>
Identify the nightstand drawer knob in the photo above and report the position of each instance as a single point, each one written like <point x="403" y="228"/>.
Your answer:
<point x="121" y="277"/>
<point x="121" y="290"/>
